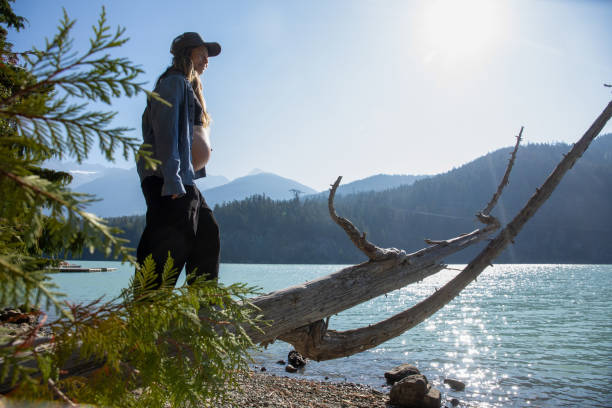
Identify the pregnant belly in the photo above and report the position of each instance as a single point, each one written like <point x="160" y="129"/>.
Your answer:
<point x="200" y="148"/>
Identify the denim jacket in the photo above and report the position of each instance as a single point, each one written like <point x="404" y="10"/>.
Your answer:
<point x="169" y="132"/>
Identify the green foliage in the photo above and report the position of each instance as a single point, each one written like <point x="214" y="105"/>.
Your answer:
<point x="37" y="122"/>
<point x="8" y="17"/>
<point x="181" y="346"/>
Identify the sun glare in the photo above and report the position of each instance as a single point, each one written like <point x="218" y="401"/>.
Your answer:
<point x="456" y="29"/>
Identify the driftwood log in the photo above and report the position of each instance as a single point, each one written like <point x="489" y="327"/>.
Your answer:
<point x="299" y="314"/>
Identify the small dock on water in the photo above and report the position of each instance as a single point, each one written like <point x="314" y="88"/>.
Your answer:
<point x="66" y="267"/>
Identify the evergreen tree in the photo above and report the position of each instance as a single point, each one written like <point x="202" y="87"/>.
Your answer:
<point x="180" y="345"/>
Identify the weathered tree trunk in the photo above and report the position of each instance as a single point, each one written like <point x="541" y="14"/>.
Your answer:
<point x="297" y="313"/>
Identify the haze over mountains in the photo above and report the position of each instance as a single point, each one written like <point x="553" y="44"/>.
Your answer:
<point x="119" y="193"/>
<point x="379" y="182"/>
<point x="574" y="226"/>
<point x="268" y="184"/>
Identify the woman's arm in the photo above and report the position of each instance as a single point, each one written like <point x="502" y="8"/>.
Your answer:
<point x="165" y="122"/>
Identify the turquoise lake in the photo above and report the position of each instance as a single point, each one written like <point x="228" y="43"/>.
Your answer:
<point x="521" y="335"/>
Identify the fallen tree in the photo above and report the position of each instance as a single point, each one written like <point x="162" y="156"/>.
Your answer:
<point x="300" y="314"/>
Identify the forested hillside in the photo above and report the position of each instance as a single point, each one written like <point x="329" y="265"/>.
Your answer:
<point x="574" y="226"/>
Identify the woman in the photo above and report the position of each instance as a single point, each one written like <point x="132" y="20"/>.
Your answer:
<point x="178" y="220"/>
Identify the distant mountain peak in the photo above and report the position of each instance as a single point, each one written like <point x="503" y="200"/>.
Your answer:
<point x="269" y="184"/>
<point x="255" y="171"/>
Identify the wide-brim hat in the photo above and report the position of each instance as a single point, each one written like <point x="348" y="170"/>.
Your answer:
<point x="192" y="40"/>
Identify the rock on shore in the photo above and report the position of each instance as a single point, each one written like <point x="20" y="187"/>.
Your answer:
<point x="395" y="374"/>
<point x="415" y="391"/>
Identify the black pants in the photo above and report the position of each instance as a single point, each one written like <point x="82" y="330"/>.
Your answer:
<point x="185" y="227"/>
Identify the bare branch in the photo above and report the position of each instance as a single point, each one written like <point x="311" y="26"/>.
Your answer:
<point x="504" y="182"/>
<point x="359" y="239"/>
<point x="339" y="344"/>
<point x="60" y="394"/>
<point x="448" y="292"/>
<point x="484" y="216"/>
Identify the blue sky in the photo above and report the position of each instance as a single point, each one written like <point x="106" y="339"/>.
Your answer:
<point x="315" y="89"/>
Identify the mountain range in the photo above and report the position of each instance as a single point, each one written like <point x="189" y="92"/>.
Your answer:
<point x="119" y="194"/>
<point x="573" y="226"/>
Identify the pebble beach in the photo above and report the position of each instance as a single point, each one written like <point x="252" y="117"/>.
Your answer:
<point x="267" y="390"/>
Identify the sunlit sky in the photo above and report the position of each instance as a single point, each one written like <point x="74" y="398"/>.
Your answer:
<point x="315" y="89"/>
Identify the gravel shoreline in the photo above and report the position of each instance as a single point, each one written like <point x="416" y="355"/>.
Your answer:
<point x="268" y="390"/>
<point x="257" y="389"/>
<point x="261" y="389"/>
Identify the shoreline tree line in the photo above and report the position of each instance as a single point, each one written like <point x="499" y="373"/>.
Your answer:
<point x="574" y="228"/>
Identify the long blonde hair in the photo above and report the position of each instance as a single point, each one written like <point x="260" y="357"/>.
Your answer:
<point x="183" y="63"/>
<point x="196" y="84"/>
